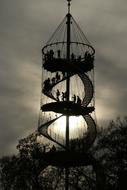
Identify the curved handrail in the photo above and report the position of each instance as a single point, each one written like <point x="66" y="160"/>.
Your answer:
<point x="88" y="89"/>
<point x="91" y="133"/>
<point x="43" y="129"/>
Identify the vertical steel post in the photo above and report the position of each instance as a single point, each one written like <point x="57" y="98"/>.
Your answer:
<point x="68" y="77"/>
<point x="68" y="90"/>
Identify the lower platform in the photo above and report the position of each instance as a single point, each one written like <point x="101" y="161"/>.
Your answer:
<point x="67" y="159"/>
<point x="67" y="108"/>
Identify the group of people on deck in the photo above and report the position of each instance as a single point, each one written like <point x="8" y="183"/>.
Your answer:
<point x="87" y="56"/>
<point x="50" y="55"/>
<point x="75" y="99"/>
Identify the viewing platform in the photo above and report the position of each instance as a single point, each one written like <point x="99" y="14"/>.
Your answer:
<point x="67" y="108"/>
<point x="54" y="59"/>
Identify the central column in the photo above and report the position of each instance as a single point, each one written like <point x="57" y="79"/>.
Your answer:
<point x="68" y="95"/>
<point x="68" y="76"/>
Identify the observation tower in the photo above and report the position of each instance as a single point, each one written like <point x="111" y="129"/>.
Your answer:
<point x="67" y="99"/>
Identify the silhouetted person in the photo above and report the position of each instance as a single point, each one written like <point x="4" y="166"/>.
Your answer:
<point x="86" y="55"/>
<point x="79" y="58"/>
<point x="78" y="100"/>
<point x="47" y="84"/>
<point x="51" y="54"/>
<point x="63" y="72"/>
<point x="64" y="96"/>
<point x="48" y="80"/>
<point x="59" y="54"/>
<point x="57" y="76"/>
<point x="72" y="56"/>
<point x="57" y="95"/>
<point x="47" y="56"/>
<point x="74" y="98"/>
<point x="53" y="80"/>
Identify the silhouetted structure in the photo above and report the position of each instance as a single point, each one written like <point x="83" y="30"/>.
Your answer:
<point x="68" y="54"/>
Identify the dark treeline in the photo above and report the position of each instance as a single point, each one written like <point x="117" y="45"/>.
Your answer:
<point x="28" y="171"/>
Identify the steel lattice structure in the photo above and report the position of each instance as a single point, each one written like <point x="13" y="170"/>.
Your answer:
<point x="68" y="91"/>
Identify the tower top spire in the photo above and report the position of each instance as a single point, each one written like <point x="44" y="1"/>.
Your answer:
<point x="69" y="4"/>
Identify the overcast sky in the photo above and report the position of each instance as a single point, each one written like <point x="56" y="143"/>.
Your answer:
<point x="25" y="26"/>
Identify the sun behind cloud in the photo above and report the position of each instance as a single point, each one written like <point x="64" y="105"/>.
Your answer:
<point x="77" y="126"/>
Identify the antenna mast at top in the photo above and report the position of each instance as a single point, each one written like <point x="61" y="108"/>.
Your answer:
<point x="69" y="4"/>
